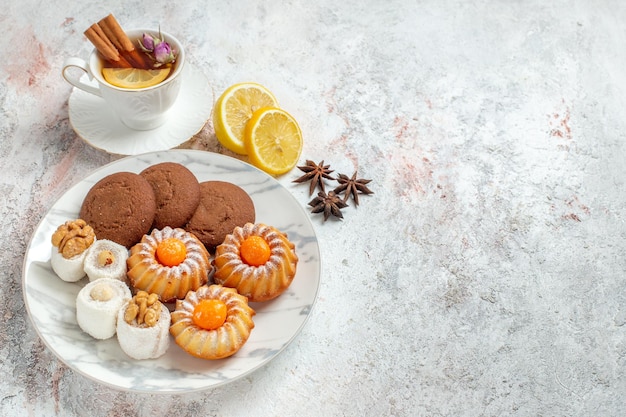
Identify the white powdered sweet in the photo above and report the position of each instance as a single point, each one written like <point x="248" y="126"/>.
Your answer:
<point x="70" y="270"/>
<point x="98" y="304"/>
<point x="106" y="259"/>
<point x="142" y="342"/>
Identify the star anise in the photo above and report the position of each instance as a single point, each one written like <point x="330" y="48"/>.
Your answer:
<point x="328" y="204"/>
<point x="316" y="174"/>
<point x="352" y="186"/>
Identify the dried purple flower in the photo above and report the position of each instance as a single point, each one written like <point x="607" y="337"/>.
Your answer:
<point x="147" y="43"/>
<point x="157" y="49"/>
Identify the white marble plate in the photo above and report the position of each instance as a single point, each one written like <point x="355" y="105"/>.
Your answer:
<point x="94" y="121"/>
<point x="51" y="302"/>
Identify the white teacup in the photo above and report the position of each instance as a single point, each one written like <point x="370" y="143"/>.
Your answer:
<point x="139" y="109"/>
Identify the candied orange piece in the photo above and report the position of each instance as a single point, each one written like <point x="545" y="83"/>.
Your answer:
<point x="209" y="314"/>
<point x="171" y="252"/>
<point x="255" y="251"/>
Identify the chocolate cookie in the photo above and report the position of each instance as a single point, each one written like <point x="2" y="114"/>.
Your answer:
<point x="223" y="206"/>
<point x="120" y="207"/>
<point x="177" y="193"/>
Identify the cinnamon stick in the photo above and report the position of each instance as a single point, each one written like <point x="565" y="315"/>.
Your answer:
<point x="97" y="37"/>
<point x="115" y="33"/>
<point x="122" y="42"/>
<point x="98" y="30"/>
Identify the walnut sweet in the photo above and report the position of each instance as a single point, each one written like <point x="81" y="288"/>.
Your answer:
<point x="143" y="309"/>
<point x="73" y="238"/>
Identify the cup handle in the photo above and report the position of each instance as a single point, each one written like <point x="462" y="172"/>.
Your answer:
<point x="74" y="80"/>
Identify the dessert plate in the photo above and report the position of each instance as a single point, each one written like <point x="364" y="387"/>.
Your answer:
<point x="51" y="302"/>
<point x="96" y="123"/>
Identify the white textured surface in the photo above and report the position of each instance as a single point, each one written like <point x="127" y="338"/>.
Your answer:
<point x="485" y="276"/>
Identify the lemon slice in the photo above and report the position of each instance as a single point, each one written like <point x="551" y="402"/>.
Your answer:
<point x="233" y="110"/>
<point x="134" y="78"/>
<point x="273" y="140"/>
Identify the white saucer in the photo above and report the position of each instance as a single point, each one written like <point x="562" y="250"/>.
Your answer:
<point x="97" y="125"/>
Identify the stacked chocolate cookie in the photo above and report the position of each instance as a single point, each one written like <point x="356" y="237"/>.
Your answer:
<point x="125" y="206"/>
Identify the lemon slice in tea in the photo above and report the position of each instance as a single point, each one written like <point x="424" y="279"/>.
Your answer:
<point x="134" y="78"/>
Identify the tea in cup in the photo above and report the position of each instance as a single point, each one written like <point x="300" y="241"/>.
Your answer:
<point x="142" y="108"/>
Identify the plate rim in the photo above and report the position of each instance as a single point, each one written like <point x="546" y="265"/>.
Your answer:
<point x="93" y="378"/>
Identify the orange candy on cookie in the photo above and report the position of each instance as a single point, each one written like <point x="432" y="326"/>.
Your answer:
<point x="171" y="252"/>
<point x="255" y="251"/>
<point x="168" y="262"/>
<point x="212" y="322"/>
<point x="256" y="259"/>
<point x="209" y="314"/>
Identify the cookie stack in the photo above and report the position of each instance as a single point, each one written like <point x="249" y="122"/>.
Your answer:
<point x="125" y="206"/>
